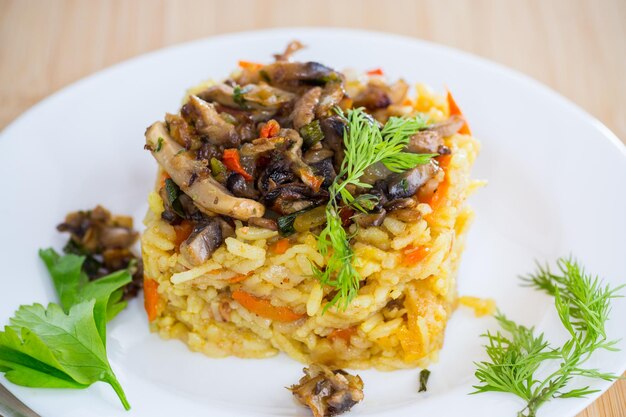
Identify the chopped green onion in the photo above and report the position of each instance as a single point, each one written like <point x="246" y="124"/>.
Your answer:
<point x="311" y="133"/>
<point x="173" y="192"/>
<point x="159" y="144"/>
<point x="238" y="97"/>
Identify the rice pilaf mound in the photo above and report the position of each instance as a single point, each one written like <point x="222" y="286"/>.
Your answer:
<point x="256" y="294"/>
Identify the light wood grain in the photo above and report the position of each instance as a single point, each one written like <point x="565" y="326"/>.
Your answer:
<point x="576" y="47"/>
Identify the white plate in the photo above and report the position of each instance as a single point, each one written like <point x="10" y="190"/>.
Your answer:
<point x="556" y="186"/>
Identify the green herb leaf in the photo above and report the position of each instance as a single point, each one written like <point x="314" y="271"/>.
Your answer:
<point x="424" y="375"/>
<point x="517" y="355"/>
<point x="365" y="202"/>
<point x="159" y="144"/>
<point x="73" y="286"/>
<point x="172" y="190"/>
<point x="27" y="361"/>
<point x="238" y="96"/>
<point x="218" y="170"/>
<point x="365" y="144"/>
<point x="311" y="133"/>
<point x="285" y="223"/>
<point x="48" y="348"/>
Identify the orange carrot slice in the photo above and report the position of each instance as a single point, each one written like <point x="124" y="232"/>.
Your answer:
<point x="150" y="297"/>
<point x="264" y="308"/>
<point x="280" y="246"/>
<point x="233" y="162"/>
<point x="456" y="111"/>
<point x="413" y="255"/>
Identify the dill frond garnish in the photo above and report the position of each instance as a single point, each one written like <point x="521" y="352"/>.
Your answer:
<point x="365" y="144"/>
<point x="519" y="360"/>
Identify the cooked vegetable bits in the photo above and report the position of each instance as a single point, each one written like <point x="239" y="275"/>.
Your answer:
<point x="304" y="210"/>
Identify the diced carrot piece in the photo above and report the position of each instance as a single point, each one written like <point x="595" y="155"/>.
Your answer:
<point x="456" y="111"/>
<point x="254" y="66"/>
<point x="237" y="278"/>
<point x="232" y="162"/>
<point x="438" y="197"/>
<point x="164" y="176"/>
<point x="344" y="334"/>
<point x="280" y="246"/>
<point x="312" y="180"/>
<point x="150" y="297"/>
<point x="413" y="255"/>
<point x="182" y="230"/>
<point x="270" y="129"/>
<point x="444" y="161"/>
<point x="264" y="308"/>
<point x="346" y="103"/>
<point x="377" y="71"/>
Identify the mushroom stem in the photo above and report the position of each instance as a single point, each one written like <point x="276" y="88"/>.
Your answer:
<point x="208" y="195"/>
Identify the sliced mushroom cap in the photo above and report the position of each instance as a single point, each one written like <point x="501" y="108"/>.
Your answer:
<point x="314" y="156"/>
<point x="304" y="109"/>
<point x="289" y="198"/>
<point x="207" y="122"/>
<point x="448" y="127"/>
<point x="328" y="392"/>
<point x="325" y="169"/>
<point x="237" y="185"/>
<point x="370" y="219"/>
<point x="430" y="140"/>
<point x="227" y="226"/>
<point x="398" y="91"/>
<point x="331" y="96"/>
<point x="407" y="183"/>
<point x="425" y="141"/>
<point x="117" y="237"/>
<point x="263" y="222"/>
<point x="182" y="132"/>
<point x="253" y="96"/>
<point x="105" y="241"/>
<point x="298" y="166"/>
<point x="375" y="172"/>
<point x="277" y="172"/>
<point x="333" y="128"/>
<point x="373" y="97"/>
<point x="292" y="47"/>
<point x="400" y="204"/>
<point x="296" y="76"/>
<point x="209" y="195"/>
<point x="202" y="242"/>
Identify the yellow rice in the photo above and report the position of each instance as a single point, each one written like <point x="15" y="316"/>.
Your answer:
<point x="195" y="303"/>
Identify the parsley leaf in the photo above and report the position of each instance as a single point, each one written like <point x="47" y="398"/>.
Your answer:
<point x="73" y="286"/>
<point x="49" y="348"/>
<point x="27" y="361"/>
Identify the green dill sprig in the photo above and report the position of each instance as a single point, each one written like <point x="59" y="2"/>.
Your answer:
<point x="517" y="354"/>
<point x="365" y="144"/>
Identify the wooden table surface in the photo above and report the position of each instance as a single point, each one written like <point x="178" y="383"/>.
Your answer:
<point x="576" y="47"/>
